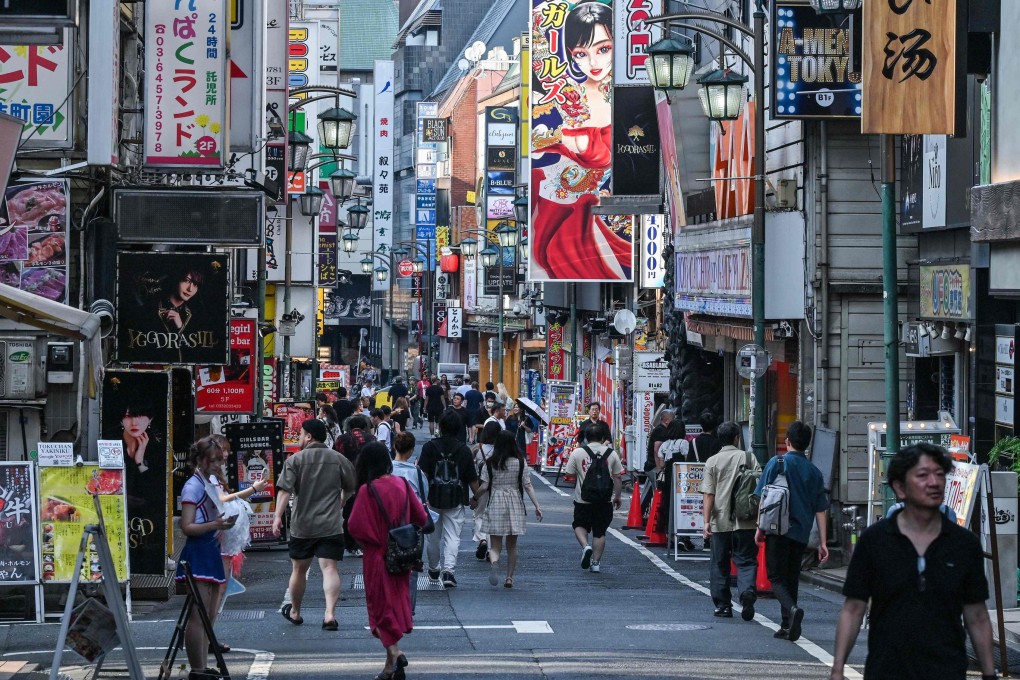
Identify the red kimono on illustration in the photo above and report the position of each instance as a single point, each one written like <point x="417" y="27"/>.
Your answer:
<point x="564" y="240"/>
<point x="387" y="595"/>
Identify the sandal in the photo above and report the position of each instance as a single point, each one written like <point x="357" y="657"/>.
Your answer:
<point x="285" y="612"/>
<point x="224" y="648"/>
<point x="509" y="582"/>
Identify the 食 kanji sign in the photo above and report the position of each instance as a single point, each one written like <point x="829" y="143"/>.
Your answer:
<point x="185" y="83"/>
<point x="914" y="77"/>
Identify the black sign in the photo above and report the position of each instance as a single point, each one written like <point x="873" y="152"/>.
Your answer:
<point x="276" y="166"/>
<point x="17" y="550"/>
<point x="416" y="286"/>
<point x="172" y="308"/>
<point x="635" y="143"/>
<point x="501" y="158"/>
<point x="350" y="304"/>
<point x="492" y="280"/>
<point x="135" y="407"/>
<point x="434" y="129"/>
<point x="500" y="182"/>
<point x="911" y="177"/>
<point x="256" y="453"/>
<point x="817" y="71"/>
<point x="53" y="12"/>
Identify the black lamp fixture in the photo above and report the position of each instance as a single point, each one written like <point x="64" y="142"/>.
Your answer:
<point x="672" y="63"/>
<point x="723" y="93"/>
<point x="336" y="128"/>
<point x="341" y="183"/>
<point x="299" y="148"/>
<point x="400" y="251"/>
<point x="366" y="265"/>
<point x="507" y="235"/>
<point x="311" y="201"/>
<point x="357" y="216"/>
<point x="469" y="246"/>
<point x="380" y="273"/>
<point x="489" y="256"/>
<point x="419" y="265"/>
<point x="835" y="6"/>
<point x="523" y="249"/>
<point x="350" y="242"/>
<point x="521" y="210"/>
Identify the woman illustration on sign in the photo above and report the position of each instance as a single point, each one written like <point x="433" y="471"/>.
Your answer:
<point x="569" y="242"/>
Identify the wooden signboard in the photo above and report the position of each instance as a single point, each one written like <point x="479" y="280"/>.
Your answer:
<point x="914" y="62"/>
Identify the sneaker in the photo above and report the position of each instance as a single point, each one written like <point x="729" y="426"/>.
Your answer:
<point x="481" y="552"/>
<point x="595" y="568"/>
<point x="586" y="557"/>
<point x="723" y="612"/>
<point x="747" y="600"/>
<point x="781" y="634"/>
<point x="434" y="574"/>
<point x="796" y="619"/>
<point x="448" y="580"/>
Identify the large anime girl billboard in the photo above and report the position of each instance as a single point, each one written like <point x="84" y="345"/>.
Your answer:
<point x="571" y="146"/>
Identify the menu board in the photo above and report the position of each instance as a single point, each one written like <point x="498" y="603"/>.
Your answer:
<point x="19" y="529"/>
<point x="66" y="507"/>
<point x="256" y="453"/>
<point x="292" y="415"/>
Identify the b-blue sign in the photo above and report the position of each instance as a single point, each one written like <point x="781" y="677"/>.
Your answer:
<point x="816" y="72"/>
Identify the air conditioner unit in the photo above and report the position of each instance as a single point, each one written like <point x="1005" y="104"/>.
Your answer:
<point x="219" y="217"/>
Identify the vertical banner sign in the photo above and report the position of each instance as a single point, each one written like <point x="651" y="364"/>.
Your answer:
<point x="19" y="550"/>
<point x="818" y="66"/>
<point x="636" y="144"/>
<point x="555" y="354"/>
<point x="327" y="251"/>
<point x="571" y="147"/>
<point x="633" y="37"/>
<point x="103" y="144"/>
<point x="440" y="322"/>
<point x="914" y="75"/>
<point x="644" y="413"/>
<point x="66" y="508"/>
<point x="35" y="80"/>
<point x="470" y="287"/>
<point x="653" y="266"/>
<point x="675" y="210"/>
<point x="383" y="165"/>
<point x="455" y="322"/>
<point x="186" y="84"/>
<point x="562" y="406"/>
<point x="302" y="71"/>
<point x="425" y="153"/>
<point x="501" y="174"/>
<point x="33" y="245"/>
<point x="525" y="103"/>
<point x="230" y="388"/>
<point x="276" y="44"/>
<point x="911" y="174"/>
<point x="257" y="450"/>
<point x="246" y="99"/>
<point x="135" y="410"/>
<point x="934" y="173"/>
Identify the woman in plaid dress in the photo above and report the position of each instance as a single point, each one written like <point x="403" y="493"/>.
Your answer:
<point x="506" y="478"/>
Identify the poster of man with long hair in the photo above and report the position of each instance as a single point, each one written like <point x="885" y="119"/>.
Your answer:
<point x="572" y="146"/>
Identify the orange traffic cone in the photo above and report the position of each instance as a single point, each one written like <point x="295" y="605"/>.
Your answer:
<point x="634" y="516"/>
<point x="655" y="537"/>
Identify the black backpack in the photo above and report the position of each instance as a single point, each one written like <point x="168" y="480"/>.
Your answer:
<point x="597" y="486"/>
<point x="445" y="488"/>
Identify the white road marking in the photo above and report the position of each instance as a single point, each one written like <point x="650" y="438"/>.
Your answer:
<point x="259" y="670"/>
<point x="810" y="647"/>
<point x="550" y="485"/>
<point x="522" y="627"/>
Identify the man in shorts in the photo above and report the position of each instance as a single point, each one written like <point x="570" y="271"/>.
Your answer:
<point x="594" y="518"/>
<point x="320" y="480"/>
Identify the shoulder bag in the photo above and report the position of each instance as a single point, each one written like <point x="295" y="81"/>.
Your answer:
<point x="430" y="525"/>
<point x="406" y="542"/>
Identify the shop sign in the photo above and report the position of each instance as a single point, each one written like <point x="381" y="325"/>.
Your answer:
<point x="435" y="129"/>
<point x="441" y="323"/>
<point x="34" y="248"/>
<point x="632" y="37"/>
<point x="104" y="74"/>
<point x="653" y="264"/>
<point x="688" y="500"/>
<point x="382" y="168"/>
<point x="636" y="143"/>
<point x="470" y="286"/>
<point x="555" y="355"/>
<point x="455" y="321"/>
<point x="644" y="411"/>
<point x="651" y="372"/>
<point x="35" y="81"/>
<point x="1004" y="381"/>
<point x="36" y="12"/>
<point x="817" y="69"/>
<point x="1005" y="349"/>
<point x="186" y="84"/>
<point x="961" y="485"/>
<point x="945" y="292"/>
<point x="911" y="56"/>
<point x="1004" y="410"/>
<point x="714" y="281"/>
<point x="230" y="388"/>
<point x="257" y="454"/>
<point x="734" y="163"/>
<point x="19" y="552"/>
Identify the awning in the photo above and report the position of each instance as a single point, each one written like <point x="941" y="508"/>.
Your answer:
<point x="738" y="329"/>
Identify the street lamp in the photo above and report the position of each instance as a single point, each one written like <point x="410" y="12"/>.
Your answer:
<point x="468" y="246"/>
<point x="357" y="216"/>
<point x="380" y="273"/>
<point x="523" y="249"/>
<point x="350" y="242"/>
<point x="419" y="265"/>
<point x="521" y="210"/>
<point x="507" y="235"/>
<point x="336" y="128"/>
<point x="299" y="146"/>
<point x="311" y="201"/>
<point x="723" y="93"/>
<point x="341" y="183"/>
<point x="835" y="6"/>
<point x="489" y="256"/>
<point x="672" y="64"/>
<point x="366" y="265"/>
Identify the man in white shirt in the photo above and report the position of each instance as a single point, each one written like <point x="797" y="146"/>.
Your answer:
<point x="383" y="427"/>
<point x="369" y="389"/>
<point x="497" y="414"/>
<point x="594" y="517"/>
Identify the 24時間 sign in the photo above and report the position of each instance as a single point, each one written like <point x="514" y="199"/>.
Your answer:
<point x="185" y="83"/>
<point x="817" y="69"/>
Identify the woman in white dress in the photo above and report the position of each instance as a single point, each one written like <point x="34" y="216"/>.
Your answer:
<point x="506" y="477"/>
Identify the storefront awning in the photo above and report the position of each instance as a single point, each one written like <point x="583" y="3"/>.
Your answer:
<point x="738" y="329"/>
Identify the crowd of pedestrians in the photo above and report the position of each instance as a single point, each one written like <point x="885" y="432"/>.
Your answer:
<point x="355" y="478"/>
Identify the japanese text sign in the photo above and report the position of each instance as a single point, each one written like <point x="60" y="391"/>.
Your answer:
<point x="34" y="81"/>
<point x="185" y="83"/>
<point x="632" y="38"/>
<point x="19" y="560"/>
<point x="913" y="75"/>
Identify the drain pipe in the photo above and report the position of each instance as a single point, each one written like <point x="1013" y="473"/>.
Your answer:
<point x="822" y="303"/>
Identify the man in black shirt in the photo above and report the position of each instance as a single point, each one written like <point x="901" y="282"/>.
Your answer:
<point x="594" y="409"/>
<point x="922" y="573"/>
<point x="397" y="390"/>
<point x="343" y="406"/>
<point x="457" y="408"/>
<point x="435" y="403"/>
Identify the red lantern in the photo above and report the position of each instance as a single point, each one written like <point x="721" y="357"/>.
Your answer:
<point x="449" y="263"/>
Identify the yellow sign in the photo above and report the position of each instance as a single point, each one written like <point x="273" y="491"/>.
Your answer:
<point x="945" y="292"/>
<point x="66" y="507"/>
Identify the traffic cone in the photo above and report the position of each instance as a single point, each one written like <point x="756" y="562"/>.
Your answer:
<point x="762" y="584"/>
<point x="634" y="516"/>
<point x="655" y="538"/>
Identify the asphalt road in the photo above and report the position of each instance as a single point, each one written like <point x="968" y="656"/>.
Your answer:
<point x="644" y="616"/>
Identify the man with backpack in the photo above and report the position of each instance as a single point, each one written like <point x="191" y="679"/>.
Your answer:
<point x="732" y="535"/>
<point x="597" y="469"/>
<point x="792" y="497"/>
<point x="450" y="470"/>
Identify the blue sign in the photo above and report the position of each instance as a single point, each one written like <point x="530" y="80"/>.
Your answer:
<point x="500" y="182"/>
<point x="425" y="202"/>
<point x="425" y="232"/>
<point x="426" y="186"/>
<point x="426" y="217"/>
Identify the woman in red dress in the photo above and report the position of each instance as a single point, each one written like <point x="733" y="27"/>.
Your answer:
<point x="387" y="595"/>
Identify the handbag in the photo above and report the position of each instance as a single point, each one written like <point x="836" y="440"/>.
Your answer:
<point x="406" y="542"/>
<point x="430" y="525"/>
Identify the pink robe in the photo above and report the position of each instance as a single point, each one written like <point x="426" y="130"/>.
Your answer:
<point x="388" y="596"/>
